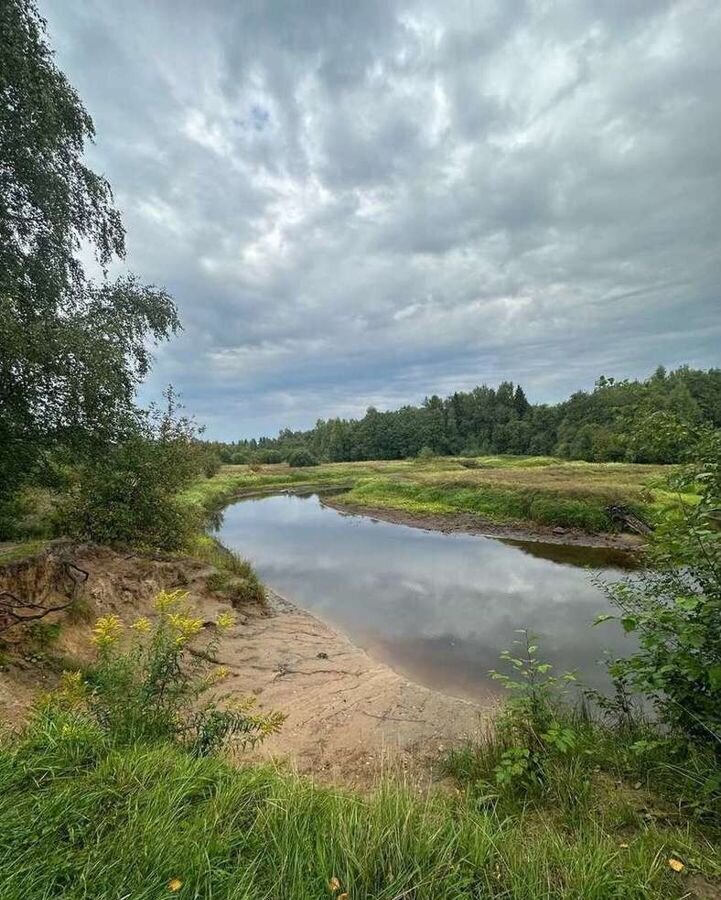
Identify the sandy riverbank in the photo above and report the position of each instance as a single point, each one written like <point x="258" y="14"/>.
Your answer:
<point x="348" y="715"/>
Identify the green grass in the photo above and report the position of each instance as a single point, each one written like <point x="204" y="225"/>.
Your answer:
<point x="84" y="819"/>
<point x="13" y="551"/>
<point x="499" y="489"/>
<point x="235" y="576"/>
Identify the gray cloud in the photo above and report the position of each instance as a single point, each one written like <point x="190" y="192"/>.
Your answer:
<point x="361" y="203"/>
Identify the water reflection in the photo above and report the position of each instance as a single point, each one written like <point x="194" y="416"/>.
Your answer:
<point x="438" y="607"/>
<point x="574" y="555"/>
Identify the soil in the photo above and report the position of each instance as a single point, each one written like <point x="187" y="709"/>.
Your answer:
<point x="466" y="523"/>
<point x="348" y="716"/>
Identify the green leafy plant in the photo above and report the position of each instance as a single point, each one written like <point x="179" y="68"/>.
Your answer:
<point x="530" y="722"/>
<point x="72" y="350"/>
<point x="128" y="495"/>
<point x="155" y="687"/>
<point x="674" y="609"/>
<point x="300" y="458"/>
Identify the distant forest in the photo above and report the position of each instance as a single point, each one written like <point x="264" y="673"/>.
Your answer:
<point x="653" y="421"/>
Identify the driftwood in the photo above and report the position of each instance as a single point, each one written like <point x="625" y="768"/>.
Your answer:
<point x="15" y="610"/>
<point x="625" y="516"/>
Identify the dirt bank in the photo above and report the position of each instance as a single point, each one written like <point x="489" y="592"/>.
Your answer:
<point x="467" y="523"/>
<point x="348" y="715"/>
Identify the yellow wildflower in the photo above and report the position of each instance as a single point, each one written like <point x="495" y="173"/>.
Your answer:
<point x="142" y="625"/>
<point x="72" y="690"/>
<point x="225" y="621"/>
<point x="107" y="630"/>
<point x="676" y="865"/>
<point x="166" y="600"/>
<point x="186" y="626"/>
<point x="175" y="884"/>
<point x="220" y="673"/>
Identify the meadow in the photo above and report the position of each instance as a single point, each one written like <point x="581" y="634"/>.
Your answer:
<point x="523" y="491"/>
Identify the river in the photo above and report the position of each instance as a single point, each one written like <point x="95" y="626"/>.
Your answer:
<point x="436" y="607"/>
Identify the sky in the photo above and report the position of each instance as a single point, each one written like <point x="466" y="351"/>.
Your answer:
<point x="364" y="203"/>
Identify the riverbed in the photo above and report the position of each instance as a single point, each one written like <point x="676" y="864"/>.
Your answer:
<point x="437" y="608"/>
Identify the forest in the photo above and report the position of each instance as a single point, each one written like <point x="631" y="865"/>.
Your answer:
<point x="658" y="420"/>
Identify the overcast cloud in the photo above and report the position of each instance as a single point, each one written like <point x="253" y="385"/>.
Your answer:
<point x="361" y="202"/>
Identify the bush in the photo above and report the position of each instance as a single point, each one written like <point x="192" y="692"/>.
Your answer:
<point x="425" y="453"/>
<point x="301" y="458"/>
<point x="211" y="464"/>
<point x="129" y="498"/>
<point x="531" y="728"/>
<point x="152" y="690"/>
<point x="128" y="493"/>
<point x="674" y="608"/>
<point x="542" y="751"/>
<point x="267" y="457"/>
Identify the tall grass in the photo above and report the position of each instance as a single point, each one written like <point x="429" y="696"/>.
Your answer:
<point x="494" y="503"/>
<point x="84" y="820"/>
<point x="235" y="577"/>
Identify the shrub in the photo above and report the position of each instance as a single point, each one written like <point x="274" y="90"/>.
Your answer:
<point x="211" y="464"/>
<point x="128" y="493"/>
<point x="301" y="457"/>
<point x="543" y="752"/>
<point x="531" y="727"/>
<point x="153" y="689"/>
<point x="425" y="453"/>
<point x="674" y="608"/>
<point x="267" y="457"/>
<point x="129" y="497"/>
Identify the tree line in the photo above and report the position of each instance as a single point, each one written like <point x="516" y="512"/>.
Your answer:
<point x="657" y="420"/>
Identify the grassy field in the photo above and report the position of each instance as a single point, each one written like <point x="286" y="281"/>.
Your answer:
<point x="502" y="490"/>
<point x="149" y="821"/>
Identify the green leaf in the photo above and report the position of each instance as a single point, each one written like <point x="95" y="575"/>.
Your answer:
<point x="714" y="677"/>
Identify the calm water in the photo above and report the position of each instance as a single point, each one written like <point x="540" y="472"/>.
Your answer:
<point x="437" y="607"/>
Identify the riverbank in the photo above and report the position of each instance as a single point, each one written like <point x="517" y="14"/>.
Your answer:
<point x="465" y="523"/>
<point x="349" y="716"/>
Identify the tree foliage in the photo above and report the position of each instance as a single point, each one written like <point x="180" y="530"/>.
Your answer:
<point x="72" y="351"/>
<point x="654" y="421"/>
<point x="300" y="458"/>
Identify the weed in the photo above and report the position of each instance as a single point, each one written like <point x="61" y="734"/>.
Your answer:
<point x="43" y="635"/>
<point x="153" y="689"/>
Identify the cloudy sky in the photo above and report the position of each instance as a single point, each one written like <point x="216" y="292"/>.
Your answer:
<point x="361" y="202"/>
